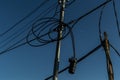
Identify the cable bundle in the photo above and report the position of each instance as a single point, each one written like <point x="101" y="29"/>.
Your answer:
<point x="45" y="31"/>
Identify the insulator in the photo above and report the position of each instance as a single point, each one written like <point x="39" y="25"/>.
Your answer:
<point x="72" y="65"/>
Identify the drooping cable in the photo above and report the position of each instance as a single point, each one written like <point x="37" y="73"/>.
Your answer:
<point x="14" y="46"/>
<point x="73" y="44"/>
<point x="116" y="17"/>
<point x="18" y="43"/>
<point x="44" y="28"/>
<point x="100" y="22"/>
<point x="74" y="22"/>
<point x="99" y="25"/>
<point x="79" y="60"/>
<point x="26" y="27"/>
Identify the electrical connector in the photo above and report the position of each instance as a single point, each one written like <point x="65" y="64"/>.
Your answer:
<point x="72" y="66"/>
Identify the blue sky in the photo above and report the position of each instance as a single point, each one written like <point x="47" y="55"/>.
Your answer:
<point x="36" y="63"/>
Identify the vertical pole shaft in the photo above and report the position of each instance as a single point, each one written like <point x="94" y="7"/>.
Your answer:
<point x="58" y="45"/>
<point x="108" y="59"/>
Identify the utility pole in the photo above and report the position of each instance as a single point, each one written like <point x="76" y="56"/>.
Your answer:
<point x="108" y="60"/>
<point x="58" y="45"/>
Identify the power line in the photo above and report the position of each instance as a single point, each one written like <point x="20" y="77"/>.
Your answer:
<point x="79" y="60"/>
<point x="24" y="28"/>
<point x="115" y="50"/>
<point x="14" y="46"/>
<point x="116" y="17"/>
<point x="20" y="21"/>
<point x="89" y="12"/>
<point x="73" y="44"/>
<point x="99" y="24"/>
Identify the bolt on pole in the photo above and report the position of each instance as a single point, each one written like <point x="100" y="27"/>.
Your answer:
<point x="108" y="59"/>
<point x="58" y="45"/>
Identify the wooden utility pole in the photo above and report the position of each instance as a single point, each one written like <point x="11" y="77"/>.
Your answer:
<point x="108" y="59"/>
<point x="58" y="46"/>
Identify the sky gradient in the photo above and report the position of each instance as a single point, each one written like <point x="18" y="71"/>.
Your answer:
<point x="36" y="63"/>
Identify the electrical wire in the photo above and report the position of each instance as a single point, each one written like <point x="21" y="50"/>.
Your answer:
<point x="115" y="50"/>
<point x="116" y="17"/>
<point x="11" y="38"/>
<point x="20" y="21"/>
<point x="73" y="44"/>
<point x="25" y="28"/>
<point x="74" y="22"/>
<point x="108" y="60"/>
<point x="78" y="61"/>
<point x="100" y="31"/>
<point x="14" y="46"/>
<point x="47" y="27"/>
<point x="100" y="22"/>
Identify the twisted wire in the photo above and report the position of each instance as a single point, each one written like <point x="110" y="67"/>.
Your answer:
<point x="18" y="44"/>
<point x="43" y="29"/>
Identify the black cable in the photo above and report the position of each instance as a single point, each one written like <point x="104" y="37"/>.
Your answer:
<point x="79" y="60"/>
<point x="16" y="45"/>
<point x="33" y="11"/>
<point x="73" y="44"/>
<point x="108" y="60"/>
<point x="116" y="17"/>
<point x="50" y="25"/>
<point x="39" y="37"/>
<point x="11" y="38"/>
<point x="74" y="22"/>
<point x="115" y="49"/>
<point x="100" y="37"/>
<point x="99" y="24"/>
<point x="44" y="24"/>
<point x="18" y="33"/>
<point x="71" y="22"/>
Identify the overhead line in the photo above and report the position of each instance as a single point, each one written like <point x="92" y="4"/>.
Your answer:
<point x="99" y="24"/>
<point x="69" y="23"/>
<point x="10" y="38"/>
<point x="89" y="12"/>
<point x="115" y="49"/>
<point x="79" y="60"/>
<point x="116" y="17"/>
<point x="14" y="47"/>
<point x="23" y="18"/>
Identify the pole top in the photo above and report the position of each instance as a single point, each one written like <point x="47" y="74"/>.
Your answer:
<point x="105" y="36"/>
